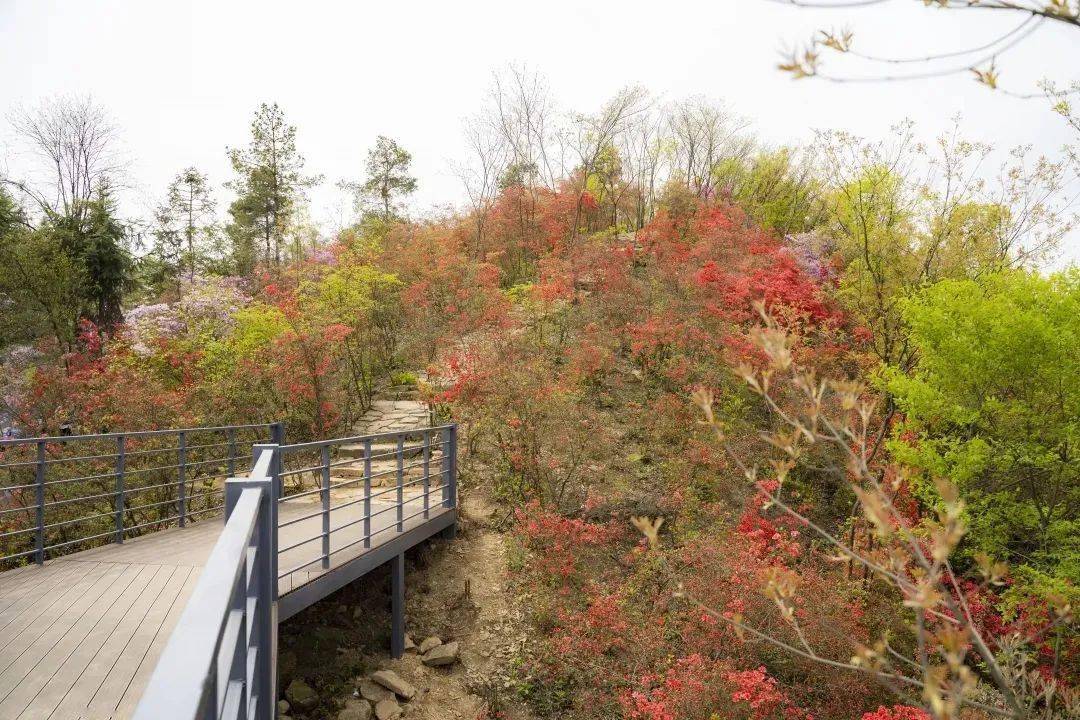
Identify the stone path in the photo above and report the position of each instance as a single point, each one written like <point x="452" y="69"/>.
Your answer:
<point x="405" y="412"/>
<point x="389" y="415"/>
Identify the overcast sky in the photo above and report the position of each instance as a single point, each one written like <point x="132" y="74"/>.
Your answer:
<point x="182" y="79"/>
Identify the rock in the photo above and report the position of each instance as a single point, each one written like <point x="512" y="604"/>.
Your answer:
<point x="428" y="643"/>
<point x="410" y="646"/>
<point x="284" y="717"/>
<point x="356" y="710"/>
<point x="388" y="710"/>
<point x="283" y="707"/>
<point x="300" y="695"/>
<point x="392" y="681"/>
<point x="372" y="692"/>
<point x="442" y="655"/>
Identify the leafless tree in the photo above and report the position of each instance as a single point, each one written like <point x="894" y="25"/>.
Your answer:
<point x="642" y="148"/>
<point x="74" y="143"/>
<point x="480" y="174"/>
<point x="524" y="115"/>
<point x="704" y="134"/>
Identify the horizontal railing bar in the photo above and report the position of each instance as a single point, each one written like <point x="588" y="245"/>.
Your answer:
<point x="111" y="513"/>
<point x="347" y="462"/>
<point x="134" y="433"/>
<point x="19" y="532"/>
<point x="170" y="501"/>
<point x="18" y="555"/>
<point x="5" y="511"/>
<point x="302" y="542"/>
<point x="301" y="566"/>
<point x="358" y="438"/>
<point x="205" y="510"/>
<point x="358" y="500"/>
<point x="79" y="540"/>
<point x="28" y="463"/>
<point x="9" y="488"/>
<point x="76" y="458"/>
<point x="302" y="518"/>
<point x="85" y="498"/>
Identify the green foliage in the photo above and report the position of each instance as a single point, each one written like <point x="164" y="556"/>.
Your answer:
<point x="993" y="404"/>
<point x="776" y="190"/>
<point x="270" y="184"/>
<point x="185" y="231"/>
<point x="388" y="180"/>
<point x="41" y="286"/>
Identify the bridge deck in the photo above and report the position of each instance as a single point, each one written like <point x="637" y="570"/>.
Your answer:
<point x="80" y="636"/>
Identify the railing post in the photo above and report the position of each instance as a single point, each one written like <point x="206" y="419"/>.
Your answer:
<point x="120" y="458"/>
<point x="444" y="444"/>
<point x="39" y="497"/>
<point x="400" y="482"/>
<point x="231" y="439"/>
<point x="367" y="493"/>
<point x="275" y="462"/>
<point x="450" y="466"/>
<point x="427" y="470"/>
<point x="325" y="506"/>
<point x="261" y="693"/>
<point x="277" y="437"/>
<point x="397" y="606"/>
<point x="182" y="492"/>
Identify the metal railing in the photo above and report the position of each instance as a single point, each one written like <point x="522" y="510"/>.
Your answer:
<point x="307" y="472"/>
<point x="71" y="492"/>
<point x="221" y="659"/>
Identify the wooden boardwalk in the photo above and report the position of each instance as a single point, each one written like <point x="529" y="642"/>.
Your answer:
<point x="80" y="636"/>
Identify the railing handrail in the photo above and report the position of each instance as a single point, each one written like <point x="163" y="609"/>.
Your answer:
<point x="220" y="661"/>
<point x="133" y="433"/>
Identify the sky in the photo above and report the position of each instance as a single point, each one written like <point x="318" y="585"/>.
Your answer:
<point x="182" y="79"/>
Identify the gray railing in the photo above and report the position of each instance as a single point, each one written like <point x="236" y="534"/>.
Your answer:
<point x="221" y="660"/>
<point x="70" y="492"/>
<point x="307" y="474"/>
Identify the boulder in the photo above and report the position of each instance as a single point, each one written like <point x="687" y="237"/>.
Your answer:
<point x="395" y="683"/>
<point x="282" y="707"/>
<point x="388" y="710"/>
<point x="410" y="646"/>
<point x="300" y="695"/>
<point x="356" y="710"/>
<point x="373" y="692"/>
<point x="428" y="643"/>
<point x="442" y="655"/>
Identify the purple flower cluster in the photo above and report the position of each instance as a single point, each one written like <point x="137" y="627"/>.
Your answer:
<point x="814" y="254"/>
<point x="208" y="305"/>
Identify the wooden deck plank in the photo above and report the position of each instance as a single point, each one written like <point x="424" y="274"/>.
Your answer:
<point x="30" y="603"/>
<point x="20" y="676"/>
<point x="81" y="673"/>
<point x="128" y="696"/>
<point x="148" y="640"/>
<point x="61" y="610"/>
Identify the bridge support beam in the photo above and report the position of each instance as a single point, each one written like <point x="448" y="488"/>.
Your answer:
<point x="397" y="606"/>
